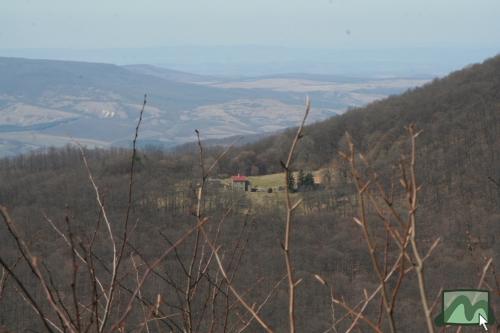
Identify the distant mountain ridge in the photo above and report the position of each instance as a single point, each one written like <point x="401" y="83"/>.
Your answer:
<point x="52" y="103"/>
<point x="169" y="74"/>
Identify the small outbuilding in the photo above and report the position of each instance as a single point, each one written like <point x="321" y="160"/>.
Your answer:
<point x="240" y="183"/>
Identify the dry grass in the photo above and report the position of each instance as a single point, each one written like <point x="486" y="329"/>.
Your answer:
<point x="266" y="181"/>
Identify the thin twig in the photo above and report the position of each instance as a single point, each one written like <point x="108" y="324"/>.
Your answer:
<point x="288" y="222"/>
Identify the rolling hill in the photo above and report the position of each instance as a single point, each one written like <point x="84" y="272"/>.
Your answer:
<point x="50" y="103"/>
<point x="458" y="112"/>
<point x="458" y="151"/>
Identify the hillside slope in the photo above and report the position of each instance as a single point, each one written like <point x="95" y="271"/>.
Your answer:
<point x="459" y="111"/>
<point x="169" y="74"/>
<point x="47" y="103"/>
<point x="50" y="103"/>
<point x="458" y="152"/>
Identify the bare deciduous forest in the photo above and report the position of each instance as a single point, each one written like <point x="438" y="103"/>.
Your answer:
<point x="139" y="240"/>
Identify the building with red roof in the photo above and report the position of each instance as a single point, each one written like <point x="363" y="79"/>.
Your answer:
<point x="240" y="183"/>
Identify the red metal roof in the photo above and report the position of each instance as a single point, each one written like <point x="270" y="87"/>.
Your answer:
<point x="239" y="178"/>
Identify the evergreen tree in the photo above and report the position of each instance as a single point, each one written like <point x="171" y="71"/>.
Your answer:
<point x="308" y="181"/>
<point x="291" y="182"/>
<point x="300" y="178"/>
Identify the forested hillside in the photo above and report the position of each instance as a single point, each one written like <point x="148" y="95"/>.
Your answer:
<point x="460" y="115"/>
<point x="458" y="152"/>
<point x="143" y="241"/>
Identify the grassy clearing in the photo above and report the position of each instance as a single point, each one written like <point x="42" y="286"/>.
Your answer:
<point x="266" y="181"/>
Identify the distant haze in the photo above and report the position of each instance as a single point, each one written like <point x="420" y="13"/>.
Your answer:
<point x="294" y="23"/>
<point x="359" y="37"/>
<point x="237" y="61"/>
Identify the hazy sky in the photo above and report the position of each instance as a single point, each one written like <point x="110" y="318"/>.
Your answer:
<point x="293" y="23"/>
